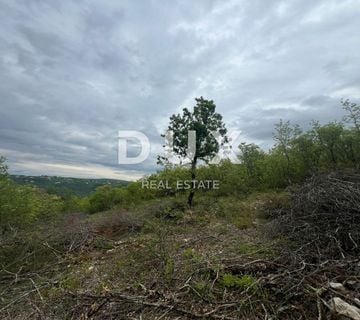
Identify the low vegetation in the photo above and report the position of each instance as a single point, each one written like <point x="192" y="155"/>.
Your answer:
<point x="278" y="240"/>
<point x="65" y="187"/>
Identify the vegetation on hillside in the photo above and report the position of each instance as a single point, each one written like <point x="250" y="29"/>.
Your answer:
<point x="64" y="186"/>
<point x="279" y="239"/>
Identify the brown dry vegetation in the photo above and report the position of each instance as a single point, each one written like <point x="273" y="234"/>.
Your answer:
<point x="260" y="257"/>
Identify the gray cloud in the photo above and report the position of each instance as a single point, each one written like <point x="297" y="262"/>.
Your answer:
<point x="74" y="73"/>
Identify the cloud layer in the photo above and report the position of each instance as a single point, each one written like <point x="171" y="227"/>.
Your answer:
<point x="73" y="73"/>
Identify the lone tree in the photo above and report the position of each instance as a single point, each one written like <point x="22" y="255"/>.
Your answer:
<point x="353" y="113"/>
<point x="3" y="167"/>
<point x="203" y="121"/>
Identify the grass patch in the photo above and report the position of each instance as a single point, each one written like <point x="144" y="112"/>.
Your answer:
<point x="245" y="282"/>
<point x="256" y="250"/>
<point x="237" y="211"/>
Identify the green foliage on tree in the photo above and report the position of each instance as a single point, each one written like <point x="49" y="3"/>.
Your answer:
<point x="104" y="198"/>
<point x="252" y="158"/>
<point x="23" y="205"/>
<point x="353" y="113"/>
<point x="283" y="136"/>
<point x="204" y="121"/>
<point x="296" y="155"/>
<point x="3" y="168"/>
<point x="329" y="139"/>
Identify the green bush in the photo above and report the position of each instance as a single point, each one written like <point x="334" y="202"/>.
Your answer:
<point x="23" y="205"/>
<point x="245" y="282"/>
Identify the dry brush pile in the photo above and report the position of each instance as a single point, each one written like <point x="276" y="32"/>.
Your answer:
<point x="325" y="216"/>
<point x="322" y="276"/>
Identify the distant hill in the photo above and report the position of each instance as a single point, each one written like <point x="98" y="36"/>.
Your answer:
<point x="64" y="186"/>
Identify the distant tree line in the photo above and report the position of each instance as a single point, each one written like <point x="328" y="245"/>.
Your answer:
<point x="296" y="155"/>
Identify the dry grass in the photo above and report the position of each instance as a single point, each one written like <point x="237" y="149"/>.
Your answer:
<point x="173" y="263"/>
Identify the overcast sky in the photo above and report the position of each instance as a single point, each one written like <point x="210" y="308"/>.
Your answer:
<point x="73" y="73"/>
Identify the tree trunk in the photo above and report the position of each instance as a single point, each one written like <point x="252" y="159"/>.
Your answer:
<point x="193" y="175"/>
